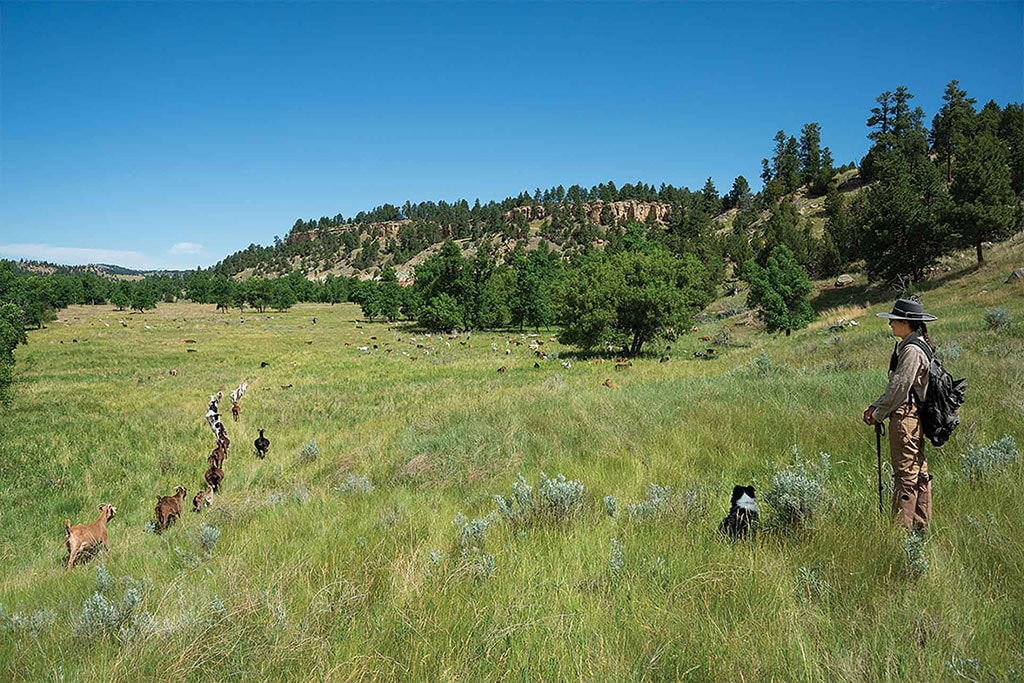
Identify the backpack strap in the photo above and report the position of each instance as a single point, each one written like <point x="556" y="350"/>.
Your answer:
<point x="923" y="345"/>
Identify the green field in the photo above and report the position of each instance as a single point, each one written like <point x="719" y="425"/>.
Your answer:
<point x="349" y="565"/>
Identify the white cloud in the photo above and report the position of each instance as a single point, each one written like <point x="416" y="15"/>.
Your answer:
<point x="75" y="256"/>
<point x="186" y="248"/>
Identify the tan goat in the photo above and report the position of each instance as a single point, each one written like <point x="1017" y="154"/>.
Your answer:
<point x="168" y="508"/>
<point x="203" y="499"/>
<point x="81" y="537"/>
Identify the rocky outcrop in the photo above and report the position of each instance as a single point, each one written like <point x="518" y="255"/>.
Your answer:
<point x="628" y="210"/>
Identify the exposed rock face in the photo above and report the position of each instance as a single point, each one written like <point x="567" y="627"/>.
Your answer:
<point x="1016" y="276"/>
<point x="844" y="280"/>
<point x="628" y="210"/>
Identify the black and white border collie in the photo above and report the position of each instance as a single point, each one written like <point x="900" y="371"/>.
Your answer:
<point x="743" y="513"/>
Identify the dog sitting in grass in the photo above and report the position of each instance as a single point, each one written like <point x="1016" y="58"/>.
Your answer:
<point x="743" y="513"/>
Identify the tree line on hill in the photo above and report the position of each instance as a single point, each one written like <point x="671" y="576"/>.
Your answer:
<point x="926" y="192"/>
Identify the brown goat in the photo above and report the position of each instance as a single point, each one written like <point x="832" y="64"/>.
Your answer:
<point x="168" y="508"/>
<point x="214" y="474"/>
<point x="203" y="499"/>
<point x="610" y="384"/>
<point x="81" y="537"/>
<point x="236" y="410"/>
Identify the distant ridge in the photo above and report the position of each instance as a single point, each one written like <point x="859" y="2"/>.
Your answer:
<point x="105" y="269"/>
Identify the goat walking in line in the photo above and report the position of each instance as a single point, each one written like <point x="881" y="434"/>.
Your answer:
<point x="83" y="537"/>
<point x="168" y="508"/>
<point x="262" y="445"/>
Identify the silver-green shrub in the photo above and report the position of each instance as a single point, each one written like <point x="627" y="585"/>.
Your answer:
<point x="611" y="504"/>
<point x="655" y="503"/>
<point x="355" y="483"/>
<point x="913" y="552"/>
<point x="763" y="364"/>
<point x="472" y="532"/>
<point x="950" y="351"/>
<point x="998" y="318"/>
<point x="32" y="624"/>
<point x="309" y="453"/>
<point x="560" y="496"/>
<point x="556" y="499"/>
<point x="798" y="493"/>
<point x="980" y="461"/>
<point x="207" y="537"/>
<point x="616" y="561"/>
<point x="105" y="613"/>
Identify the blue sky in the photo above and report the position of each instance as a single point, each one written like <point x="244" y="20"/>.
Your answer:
<point x="169" y="135"/>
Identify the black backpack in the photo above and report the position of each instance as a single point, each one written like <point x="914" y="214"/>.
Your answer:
<point x="939" y="411"/>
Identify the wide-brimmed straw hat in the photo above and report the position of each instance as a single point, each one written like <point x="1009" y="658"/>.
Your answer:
<point x="907" y="309"/>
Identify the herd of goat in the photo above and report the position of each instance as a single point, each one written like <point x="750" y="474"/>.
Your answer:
<point x="82" y="538"/>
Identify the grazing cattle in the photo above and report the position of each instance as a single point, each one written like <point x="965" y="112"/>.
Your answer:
<point x="168" y="508"/>
<point x="82" y="537"/>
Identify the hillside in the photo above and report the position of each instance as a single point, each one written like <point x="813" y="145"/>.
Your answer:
<point x="361" y="249"/>
<point x="369" y="544"/>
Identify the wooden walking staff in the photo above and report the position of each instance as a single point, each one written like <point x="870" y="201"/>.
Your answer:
<point x="879" y="431"/>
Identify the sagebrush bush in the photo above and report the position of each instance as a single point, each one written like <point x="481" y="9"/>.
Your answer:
<point x="980" y="461"/>
<point x="556" y="499"/>
<point x="998" y="318"/>
<point x="355" y="483"/>
<point x="616" y="561"/>
<point x="798" y="493"/>
<point x="309" y="453"/>
<point x="611" y="504"/>
<point x="472" y="532"/>
<point x="763" y="364"/>
<point x="950" y="351"/>
<point x="105" y="613"/>
<point x="655" y="503"/>
<point x="207" y="537"/>
<point x="913" y="552"/>
<point x="33" y="624"/>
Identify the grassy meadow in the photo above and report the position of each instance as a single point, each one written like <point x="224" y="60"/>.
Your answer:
<point x="380" y="555"/>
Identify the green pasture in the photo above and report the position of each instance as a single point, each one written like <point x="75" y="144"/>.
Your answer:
<point x="302" y="571"/>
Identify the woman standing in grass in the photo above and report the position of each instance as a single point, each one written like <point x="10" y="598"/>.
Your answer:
<point x="908" y="382"/>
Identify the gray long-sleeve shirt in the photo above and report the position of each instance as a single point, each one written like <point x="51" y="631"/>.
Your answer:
<point x="911" y="373"/>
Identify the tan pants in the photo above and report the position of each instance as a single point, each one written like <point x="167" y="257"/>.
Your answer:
<point x="912" y="493"/>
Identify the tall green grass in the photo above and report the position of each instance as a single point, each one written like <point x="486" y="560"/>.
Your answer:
<point x="315" y="577"/>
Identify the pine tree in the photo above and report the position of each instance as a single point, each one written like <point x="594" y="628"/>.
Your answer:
<point x="983" y="200"/>
<point x="951" y="125"/>
<point x="810" y="152"/>
<point x="780" y="291"/>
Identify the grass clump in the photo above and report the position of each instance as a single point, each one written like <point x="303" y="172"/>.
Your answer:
<point x="798" y="493"/>
<point x="981" y="461"/>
